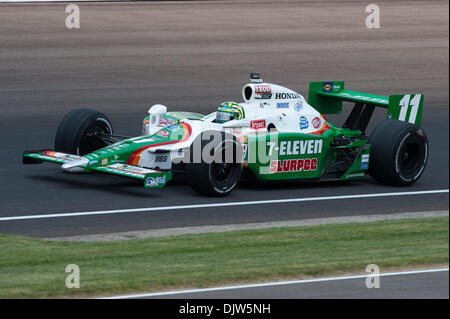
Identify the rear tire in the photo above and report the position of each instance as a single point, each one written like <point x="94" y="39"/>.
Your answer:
<point x="217" y="177"/>
<point x="77" y="131"/>
<point x="399" y="153"/>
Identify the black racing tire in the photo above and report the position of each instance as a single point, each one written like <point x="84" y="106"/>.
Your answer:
<point x="220" y="176"/>
<point x="399" y="153"/>
<point x="77" y="130"/>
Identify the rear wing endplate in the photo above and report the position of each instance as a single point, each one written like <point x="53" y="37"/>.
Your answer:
<point x="327" y="98"/>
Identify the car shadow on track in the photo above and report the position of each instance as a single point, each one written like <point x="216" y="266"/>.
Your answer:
<point x="180" y="187"/>
<point x="126" y="187"/>
<point x="299" y="184"/>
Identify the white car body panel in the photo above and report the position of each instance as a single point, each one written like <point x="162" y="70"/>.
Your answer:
<point x="265" y="105"/>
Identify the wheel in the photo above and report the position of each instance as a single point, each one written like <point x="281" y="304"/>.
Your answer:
<point x="77" y="131"/>
<point x="399" y="153"/>
<point x="217" y="173"/>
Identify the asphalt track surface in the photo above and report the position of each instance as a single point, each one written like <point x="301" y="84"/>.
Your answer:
<point x="193" y="56"/>
<point x="428" y="285"/>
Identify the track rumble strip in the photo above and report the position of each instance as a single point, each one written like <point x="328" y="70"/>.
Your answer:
<point x="165" y="232"/>
<point x="211" y="205"/>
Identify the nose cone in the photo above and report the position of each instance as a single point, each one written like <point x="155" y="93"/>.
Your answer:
<point x="75" y="166"/>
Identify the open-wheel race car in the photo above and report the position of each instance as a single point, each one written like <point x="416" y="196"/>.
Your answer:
<point x="275" y="134"/>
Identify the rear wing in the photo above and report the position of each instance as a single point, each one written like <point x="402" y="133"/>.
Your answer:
<point x="327" y="98"/>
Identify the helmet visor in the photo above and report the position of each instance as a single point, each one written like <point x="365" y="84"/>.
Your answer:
<point x="222" y="117"/>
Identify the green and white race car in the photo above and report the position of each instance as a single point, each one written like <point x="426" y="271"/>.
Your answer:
<point x="275" y="134"/>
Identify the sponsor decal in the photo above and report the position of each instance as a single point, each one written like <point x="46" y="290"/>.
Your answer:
<point x="258" y="124"/>
<point x="163" y="133"/>
<point x="71" y="157"/>
<point x="264" y="96"/>
<point x="354" y="175"/>
<point x="167" y="121"/>
<point x="327" y="86"/>
<point x="93" y="162"/>
<point x="104" y="161"/>
<point x="316" y="122"/>
<point x="365" y="161"/>
<point x="298" y="106"/>
<point x="282" y="105"/>
<point x="51" y="153"/>
<point x="303" y="123"/>
<point x="263" y="92"/>
<point x="173" y="127"/>
<point x="293" y="165"/>
<point x="244" y="149"/>
<point x="336" y="87"/>
<point x="260" y="89"/>
<point x="286" y="96"/>
<point x="133" y="169"/>
<point x="155" y="181"/>
<point x="161" y="158"/>
<point x="323" y="129"/>
<point x="300" y="147"/>
<point x="64" y="156"/>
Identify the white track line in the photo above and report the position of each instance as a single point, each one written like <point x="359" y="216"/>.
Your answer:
<point x="258" y="202"/>
<point x="268" y="284"/>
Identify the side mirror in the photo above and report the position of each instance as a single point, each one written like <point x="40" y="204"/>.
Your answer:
<point x="155" y="113"/>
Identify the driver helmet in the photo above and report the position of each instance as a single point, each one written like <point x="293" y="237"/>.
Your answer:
<point x="228" y="111"/>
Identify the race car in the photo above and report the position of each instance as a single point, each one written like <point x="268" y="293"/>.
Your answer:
<point x="275" y="134"/>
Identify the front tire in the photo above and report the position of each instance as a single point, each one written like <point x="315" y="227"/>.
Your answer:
<point x="399" y="153"/>
<point x="77" y="131"/>
<point x="220" y="176"/>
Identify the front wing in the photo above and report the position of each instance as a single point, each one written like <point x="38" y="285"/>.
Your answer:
<point x="152" y="178"/>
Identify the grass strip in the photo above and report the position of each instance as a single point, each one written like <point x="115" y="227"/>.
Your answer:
<point x="33" y="268"/>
